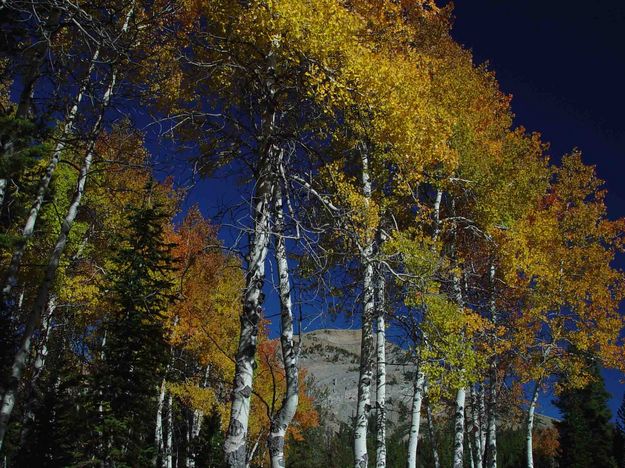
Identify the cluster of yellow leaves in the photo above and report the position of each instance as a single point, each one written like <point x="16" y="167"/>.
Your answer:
<point x="450" y="359"/>
<point x="559" y="256"/>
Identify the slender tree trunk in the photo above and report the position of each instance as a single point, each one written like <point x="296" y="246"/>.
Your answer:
<point x="492" y="409"/>
<point x="459" y="429"/>
<point x="432" y="434"/>
<point x="34" y="318"/>
<point x="530" y="425"/>
<point x="169" y="450"/>
<point x="476" y="429"/>
<point x="196" y="425"/>
<point x="380" y="394"/>
<point x="492" y="422"/>
<point x="415" y="417"/>
<point x="3" y="189"/>
<point x="472" y="449"/>
<point x="482" y="421"/>
<point x="158" y="432"/>
<point x="365" y="375"/>
<point x="290" y="352"/>
<point x="29" y="226"/>
<point x="235" y="444"/>
<point x="28" y="416"/>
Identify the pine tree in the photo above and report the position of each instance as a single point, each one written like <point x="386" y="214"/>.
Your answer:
<point x="134" y="354"/>
<point x="585" y="430"/>
<point x="619" y="436"/>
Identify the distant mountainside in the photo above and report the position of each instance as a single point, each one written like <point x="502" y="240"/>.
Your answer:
<point x="331" y="358"/>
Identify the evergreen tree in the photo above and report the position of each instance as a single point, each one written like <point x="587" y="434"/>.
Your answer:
<point x="585" y="430"/>
<point x="134" y="351"/>
<point x="619" y="436"/>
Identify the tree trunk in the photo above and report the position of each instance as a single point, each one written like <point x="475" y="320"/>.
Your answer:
<point x="492" y="410"/>
<point x="235" y="444"/>
<point x="196" y="425"/>
<point x="482" y="421"/>
<point x="34" y="318"/>
<point x="33" y="392"/>
<point x="530" y="425"/>
<point x="290" y="351"/>
<point x="415" y="417"/>
<point x="29" y="226"/>
<point x="365" y="374"/>
<point x="476" y="429"/>
<point x="158" y="432"/>
<point x="459" y="429"/>
<point x="169" y="449"/>
<point x="3" y="189"/>
<point x="492" y="422"/>
<point x="380" y="395"/>
<point x="432" y="433"/>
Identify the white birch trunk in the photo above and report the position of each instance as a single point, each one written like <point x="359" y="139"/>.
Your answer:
<point x="380" y="395"/>
<point x="290" y="352"/>
<point x="365" y="375"/>
<point x="158" y="431"/>
<point x="432" y="432"/>
<point x="415" y="417"/>
<point x="196" y="425"/>
<point x="471" y="449"/>
<point x="530" y="426"/>
<point x="31" y="220"/>
<point x="3" y="188"/>
<point x="482" y="421"/>
<point x="476" y="429"/>
<point x="459" y="429"/>
<point x="492" y="423"/>
<point x="169" y="449"/>
<point x="492" y="409"/>
<point x="34" y="318"/>
<point x="235" y="444"/>
<point x="38" y="366"/>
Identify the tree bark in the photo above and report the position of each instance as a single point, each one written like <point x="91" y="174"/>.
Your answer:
<point x="492" y="407"/>
<point x="365" y="375"/>
<point x="482" y="421"/>
<point x="28" y="416"/>
<point x="492" y="422"/>
<point x="380" y="394"/>
<point x="459" y="429"/>
<point x="3" y="189"/>
<point x="432" y="433"/>
<point x="415" y="417"/>
<point x="530" y="425"/>
<point x="158" y="431"/>
<point x="169" y="449"/>
<point x="290" y="351"/>
<point x="196" y="425"/>
<point x="235" y="444"/>
<point x="476" y="429"/>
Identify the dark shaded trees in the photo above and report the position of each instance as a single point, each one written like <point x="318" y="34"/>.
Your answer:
<point x="585" y="430"/>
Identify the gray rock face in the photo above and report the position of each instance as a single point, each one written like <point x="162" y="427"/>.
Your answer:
<point x="331" y="357"/>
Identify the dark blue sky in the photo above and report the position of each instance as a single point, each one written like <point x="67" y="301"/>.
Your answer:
<point x="564" y="64"/>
